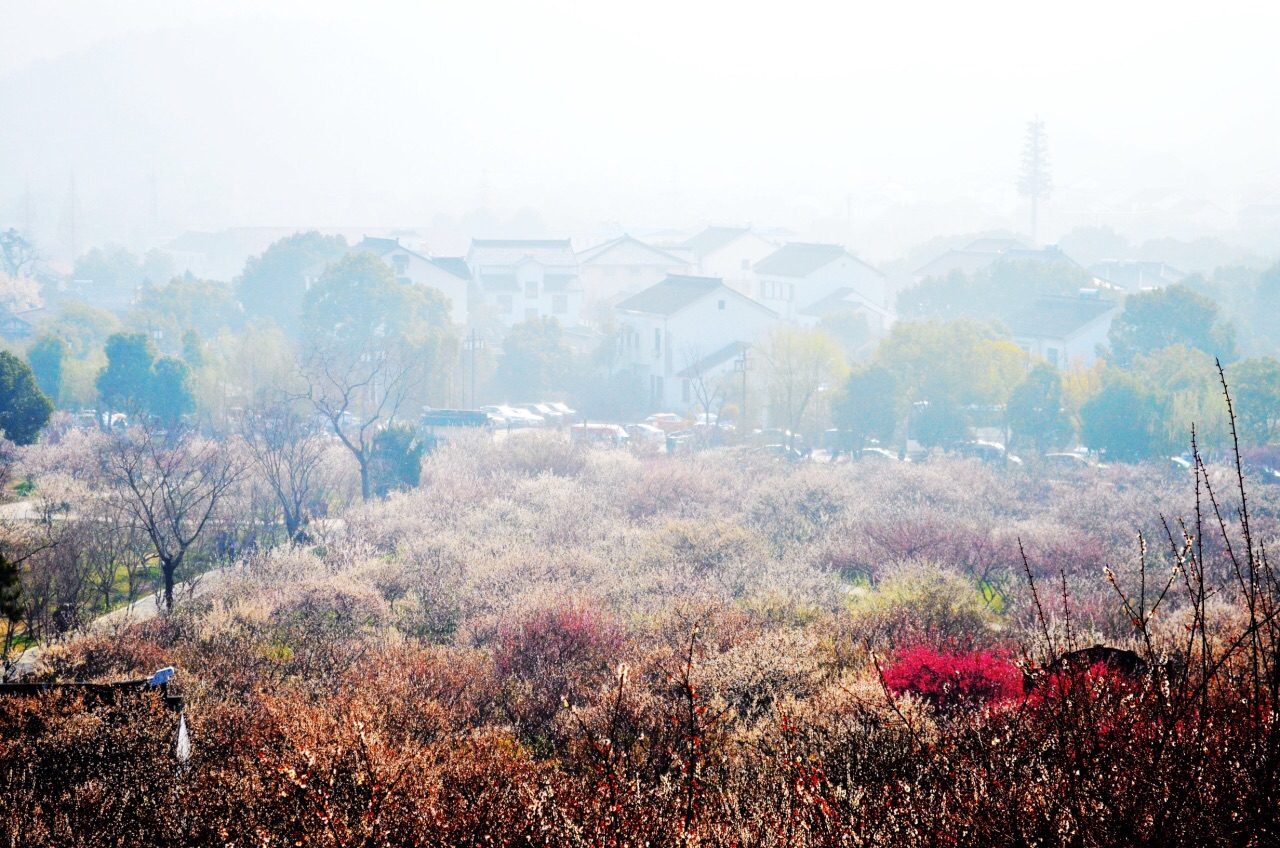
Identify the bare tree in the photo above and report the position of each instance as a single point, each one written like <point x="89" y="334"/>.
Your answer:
<point x="799" y="363"/>
<point x="289" y="453"/>
<point x="710" y="392"/>
<point x="173" y="485"/>
<point x="359" y="390"/>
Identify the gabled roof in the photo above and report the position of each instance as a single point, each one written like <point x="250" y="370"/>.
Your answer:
<point x="598" y="253"/>
<point x="455" y="265"/>
<point x="969" y="261"/>
<point x="671" y="295"/>
<point x="712" y="239"/>
<point x="1136" y="274"/>
<point x="1058" y="317"/>
<point x="381" y="246"/>
<point x="510" y="251"/>
<point x="1050" y="254"/>
<point x="842" y="299"/>
<point x="994" y="245"/>
<point x="729" y="352"/>
<point x="797" y="259"/>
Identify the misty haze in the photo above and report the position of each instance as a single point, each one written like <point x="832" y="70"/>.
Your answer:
<point x="703" y="424"/>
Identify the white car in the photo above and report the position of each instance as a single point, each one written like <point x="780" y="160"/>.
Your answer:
<point x="646" y="433"/>
<point x="551" y="416"/>
<point x="515" y="417"/>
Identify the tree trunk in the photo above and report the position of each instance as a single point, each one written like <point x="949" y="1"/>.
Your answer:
<point x="366" y="485"/>
<point x="169" y="568"/>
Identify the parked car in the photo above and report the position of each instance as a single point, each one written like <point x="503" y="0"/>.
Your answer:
<point x="549" y="415"/>
<point x="780" y="452"/>
<point x="563" y="409"/>
<point x="774" y="436"/>
<point x="646" y="433"/>
<point x="515" y="417"/>
<point x="1065" y="461"/>
<point x="881" y="455"/>
<point x="683" y="441"/>
<point x="606" y="435"/>
<point x="989" y="452"/>
<point x="668" y="422"/>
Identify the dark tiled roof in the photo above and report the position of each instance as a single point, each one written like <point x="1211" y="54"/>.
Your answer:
<point x="842" y="299"/>
<point x="455" y="265"/>
<point x="712" y="239"/>
<point x="378" y="246"/>
<point x="1058" y="317"/>
<point x="801" y="260"/>
<point x="511" y="251"/>
<point x="994" y="245"/>
<point x="671" y="295"/>
<point x="730" y="351"/>
<point x="1136" y="274"/>
<point x="591" y="254"/>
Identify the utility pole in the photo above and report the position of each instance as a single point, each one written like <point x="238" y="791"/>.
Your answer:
<point x="743" y="364"/>
<point x="473" y="345"/>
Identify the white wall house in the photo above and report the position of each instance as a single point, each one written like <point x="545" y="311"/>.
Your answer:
<point x="797" y="276"/>
<point x="729" y="253"/>
<point x="446" y="275"/>
<point x="1066" y="331"/>
<point x="625" y="266"/>
<point x="684" y="327"/>
<point x="520" y="279"/>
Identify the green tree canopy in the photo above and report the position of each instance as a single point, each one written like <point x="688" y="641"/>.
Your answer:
<point x="184" y="304"/>
<point x="996" y="291"/>
<point x="124" y="384"/>
<point x="24" y="409"/>
<point x="85" y="328"/>
<point x="273" y="284"/>
<point x="359" y="298"/>
<point x="397" y="459"/>
<point x="1035" y="413"/>
<point x="536" y="361"/>
<point x="1155" y="319"/>
<point x="1255" y="391"/>
<point x="945" y="370"/>
<point x="47" y="357"/>
<point x="1123" y="419"/>
<point x="138" y="381"/>
<point x="867" y="404"/>
<point x="170" y="394"/>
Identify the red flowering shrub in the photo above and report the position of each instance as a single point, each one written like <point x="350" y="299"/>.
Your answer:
<point x="550" y="657"/>
<point x="949" y="680"/>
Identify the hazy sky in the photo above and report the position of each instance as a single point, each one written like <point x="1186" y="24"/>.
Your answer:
<point x="327" y="113"/>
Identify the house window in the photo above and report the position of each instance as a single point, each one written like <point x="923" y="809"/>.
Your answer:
<point x="531" y="289"/>
<point x="655" y="387"/>
<point x="560" y="304"/>
<point x="1052" y="355"/>
<point x="505" y="305"/>
<point x="401" y="264"/>
<point x="720" y="305"/>
<point x="635" y="270"/>
<point x="657" y="343"/>
<point x="763" y="290"/>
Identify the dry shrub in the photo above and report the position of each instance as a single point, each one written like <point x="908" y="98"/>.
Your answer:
<point x="922" y="605"/>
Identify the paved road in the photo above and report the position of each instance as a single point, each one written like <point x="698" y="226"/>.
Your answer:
<point x="140" y="610"/>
